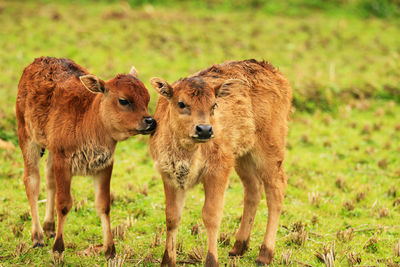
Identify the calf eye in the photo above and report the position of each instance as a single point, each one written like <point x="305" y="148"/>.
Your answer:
<point x="212" y="109"/>
<point x="123" y="102"/>
<point x="181" y="105"/>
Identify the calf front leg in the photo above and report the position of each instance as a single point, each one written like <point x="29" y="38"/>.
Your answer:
<point x="31" y="153"/>
<point x="103" y="205"/>
<point x="63" y="179"/>
<point x="174" y="202"/>
<point x="214" y="187"/>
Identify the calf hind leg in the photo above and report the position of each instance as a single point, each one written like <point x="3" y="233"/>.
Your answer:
<point x="31" y="153"/>
<point x="62" y="175"/>
<point x="252" y="184"/>
<point x="275" y="187"/>
<point x="49" y="224"/>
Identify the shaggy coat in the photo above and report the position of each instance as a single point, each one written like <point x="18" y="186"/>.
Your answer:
<point x="78" y="118"/>
<point x="244" y="106"/>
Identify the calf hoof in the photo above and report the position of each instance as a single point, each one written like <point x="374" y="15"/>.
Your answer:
<point x="167" y="261"/>
<point x="37" y="240"/>
<point x="211" y="261"/>
<point x="49" y="229"/>
<point x="239" y="248"/>
<point x="265" y="256"/>
<point x="109" y="252"/>
<point x="58" y="246"/>
<point x="259" y="263"/>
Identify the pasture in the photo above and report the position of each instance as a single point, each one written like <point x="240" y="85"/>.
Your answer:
<point x="343" y="149"/>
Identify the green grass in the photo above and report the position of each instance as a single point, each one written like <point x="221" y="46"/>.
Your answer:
<point x="342" y="159"/>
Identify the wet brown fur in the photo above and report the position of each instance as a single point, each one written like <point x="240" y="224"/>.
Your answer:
<point x="250" y="127"/>
<point x="80" y="128"/>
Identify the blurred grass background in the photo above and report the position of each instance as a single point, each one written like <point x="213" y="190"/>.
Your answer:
<point x="342" y="58"/>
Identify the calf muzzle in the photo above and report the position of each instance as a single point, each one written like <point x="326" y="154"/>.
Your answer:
<point x="204" y="132"/>
<point x="151" y="125"/>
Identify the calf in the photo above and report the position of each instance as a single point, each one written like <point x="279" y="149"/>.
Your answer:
<point x="79" y="118"/>
<point x="230" y="115"/>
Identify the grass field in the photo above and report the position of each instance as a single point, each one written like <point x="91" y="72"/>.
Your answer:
<point x="342" y="161"/>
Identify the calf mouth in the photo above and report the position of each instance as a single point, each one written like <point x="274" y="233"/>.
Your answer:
<point x="199" y="139"/>
<point x="150" y="129"/>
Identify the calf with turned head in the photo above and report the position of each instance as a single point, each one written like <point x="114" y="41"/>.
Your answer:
<point x="79" y="119"/>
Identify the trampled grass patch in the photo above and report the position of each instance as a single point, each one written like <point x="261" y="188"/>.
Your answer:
<point x="343" y="198"/>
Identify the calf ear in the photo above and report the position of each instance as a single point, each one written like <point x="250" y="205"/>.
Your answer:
<point x="92" y="83"/>
<point x="162" y="87"/>
<point x="133" y="72"/>
<point x="228" y="86"/>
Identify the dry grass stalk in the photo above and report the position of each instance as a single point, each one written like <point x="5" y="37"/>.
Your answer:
<point x="383" y="164"/>
<point x="349" y="205"/>
<point x="314" y="198"/>
<point x="340" y="183"/>
<point x="383" y="212"/>
<point x="119" y="231"/>
<point x="299" y="235"/>
<point x="6" y="145"/>
<point x="195" y="229"/>
<point x="92" y="250"/>
<point x="196" y="255"/>
<point x="366" y="129"/>
<point x="300" y="184"/>
<point x="130" y="221"/>
<point x="327" y="143"/>
<point x="130" y="186"/>
<point x="391" y="263"/>
<point x="392" y="192"/>
<point x="285" y="257"/>
<point x="17" y="229"/>
<point x="345" y="235"/>
<point x="157" y="237"/>
<point x="118" y="261"/>
<point x="360" y="196"/>
<point x="57" y="258"/>
<point x="234" y="262"/>
<point x="314" y="219"/>
<point x="25" y="216"/>
<point x="396" y="249"/>
<point x="370" y="243"/>
<point x="80" y="204"/>
<point x="21" y="249"/>
<point x="327" y="255"/>
<point x="353" y="258"/>
<point x="143" y="190"/>
<point x="224" y="239"/>
<point x="179" y="247"/>
<point x="147" y="260"/>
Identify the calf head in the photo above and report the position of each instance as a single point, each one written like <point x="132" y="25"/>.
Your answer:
<point x="192" y="102"/>
<point x="123" y="104"/>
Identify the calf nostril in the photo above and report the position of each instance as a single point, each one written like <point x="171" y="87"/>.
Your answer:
<point x="198" y="129"/>
<point x="149" y="120"/>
